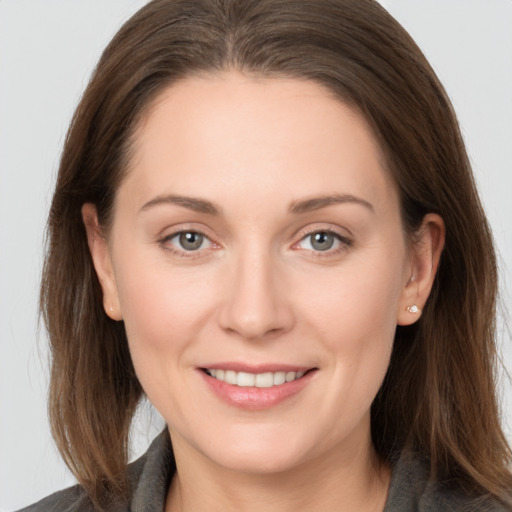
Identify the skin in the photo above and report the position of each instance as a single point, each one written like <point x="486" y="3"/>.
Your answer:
<point x="258" y="292"/>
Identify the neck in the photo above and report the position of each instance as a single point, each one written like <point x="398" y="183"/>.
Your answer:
<point x="353" y="480"/>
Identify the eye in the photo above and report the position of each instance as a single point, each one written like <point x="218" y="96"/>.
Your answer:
<point x="188" y="241"/>
<point x="322" y="241"/>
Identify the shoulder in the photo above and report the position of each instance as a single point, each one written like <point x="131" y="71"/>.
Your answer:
<point x="72" y="499"/>
<point x="412" y="489"/>
<point x="149" y="477"/>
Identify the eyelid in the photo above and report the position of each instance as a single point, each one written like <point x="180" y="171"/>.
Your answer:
<point x="341" y="232"/>
<point x="178" y="235"/>
<point x="346" y="241"/>
<point x="169" y="233"/>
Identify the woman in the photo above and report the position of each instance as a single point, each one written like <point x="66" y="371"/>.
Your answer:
<point x="266" y="222"/>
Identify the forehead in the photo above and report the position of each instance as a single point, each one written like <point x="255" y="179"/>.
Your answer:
<point x="232" y="132"/>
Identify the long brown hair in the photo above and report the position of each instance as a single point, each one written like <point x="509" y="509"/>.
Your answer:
<point x="439" y="393"/>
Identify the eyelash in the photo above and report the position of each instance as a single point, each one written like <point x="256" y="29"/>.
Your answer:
<point x="344" y="243"/>
<point x="165" y="243"/>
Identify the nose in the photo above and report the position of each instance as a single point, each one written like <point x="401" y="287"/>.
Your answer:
<point x="256" y="304"/>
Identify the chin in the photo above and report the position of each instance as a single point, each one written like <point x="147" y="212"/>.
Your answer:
<point x="257" y="462"/>
<point x="263" y="451"/>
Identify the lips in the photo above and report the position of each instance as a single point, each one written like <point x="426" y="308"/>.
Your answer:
<point x="256" y="388"/>
<point x="259" y="380"/>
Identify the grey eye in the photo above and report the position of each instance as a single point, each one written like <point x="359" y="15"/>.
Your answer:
<point x="322" y="241"/>
<point x="190" y="241"/>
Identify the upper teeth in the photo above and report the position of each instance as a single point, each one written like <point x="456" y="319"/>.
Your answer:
<point x="260" y="380"/>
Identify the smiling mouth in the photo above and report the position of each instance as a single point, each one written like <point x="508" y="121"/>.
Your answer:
<point x="258" y="380"/>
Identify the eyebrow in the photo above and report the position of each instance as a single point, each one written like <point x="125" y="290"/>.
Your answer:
<point x="192" y="203"/>
<point x="316" y="203"/>
<point x="296" y="207"/>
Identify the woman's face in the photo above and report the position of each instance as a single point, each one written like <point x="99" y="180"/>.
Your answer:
<point x="257" y="240"/>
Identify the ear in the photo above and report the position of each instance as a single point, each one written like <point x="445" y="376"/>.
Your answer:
<point x="100" y="253"/>
<point x="425" y="253"/>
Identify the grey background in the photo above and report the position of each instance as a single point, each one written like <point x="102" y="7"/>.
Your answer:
<point x="47" y="52"/>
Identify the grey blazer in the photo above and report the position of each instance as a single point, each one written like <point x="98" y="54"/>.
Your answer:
<point x="150" y="477"/>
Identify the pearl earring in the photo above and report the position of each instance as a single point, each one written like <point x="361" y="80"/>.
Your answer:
<point x="413" y="309"/>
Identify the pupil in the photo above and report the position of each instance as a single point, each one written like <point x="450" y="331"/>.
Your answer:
<point x="322" y="241"/>
<point x="191" y="241"/>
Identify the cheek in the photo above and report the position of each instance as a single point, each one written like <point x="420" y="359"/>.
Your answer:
<point x="354" y="315"/>
<point x="356" y="303"/>
<point x="163" y="310"/>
